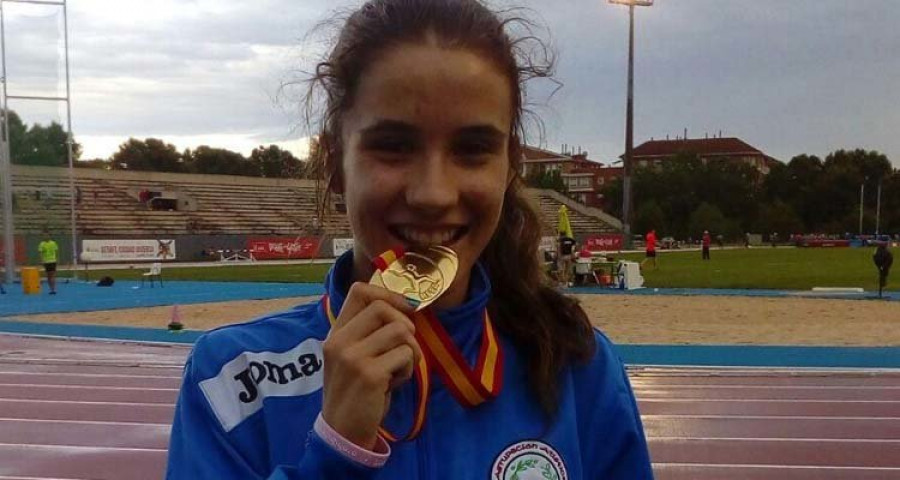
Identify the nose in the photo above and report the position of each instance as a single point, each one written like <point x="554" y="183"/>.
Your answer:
<point x="432" y="186"/>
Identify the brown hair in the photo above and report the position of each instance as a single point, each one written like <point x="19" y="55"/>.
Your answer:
<point x="549" y="329"/>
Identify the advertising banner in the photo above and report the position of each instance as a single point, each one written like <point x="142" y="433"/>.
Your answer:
<point x="283" y="248"/>
<point x="127" y="250"/>
<point x="340" y="246"/>
<point x="604" y="243"/>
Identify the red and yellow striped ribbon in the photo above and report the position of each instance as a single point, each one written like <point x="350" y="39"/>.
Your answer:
<point x="470" y="387"/>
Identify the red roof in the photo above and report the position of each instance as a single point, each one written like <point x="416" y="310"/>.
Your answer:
<point x="700" y="146"/>
<point x="534" y="153"/>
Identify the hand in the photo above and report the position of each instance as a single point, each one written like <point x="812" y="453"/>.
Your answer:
<point x="370" y="350"/>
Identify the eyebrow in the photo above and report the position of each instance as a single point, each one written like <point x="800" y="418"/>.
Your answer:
<point x="399" y="127"/>
<point x="388" y="126"/>
<point x="488" y="131"/>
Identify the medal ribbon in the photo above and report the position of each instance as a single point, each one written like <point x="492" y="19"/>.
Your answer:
<point x="470" y="387"/>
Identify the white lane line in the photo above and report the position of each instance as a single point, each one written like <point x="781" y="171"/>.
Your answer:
<point x="765" y="387"/>
<point x="779" y="467"/>
<point x="737" y="369"/>
<point x="87" y="387"/>
<point x="759" y="400"/>
<point x="89" y="375"/>
<point x="90" y="363"/>
<point x="80" y="402"/>
<point x="81" y="447"/>
<point x="81" y="422"/>
<point x="3" y="477"/>
<point x="779" y="440"/>
<point x="768" y="417"/>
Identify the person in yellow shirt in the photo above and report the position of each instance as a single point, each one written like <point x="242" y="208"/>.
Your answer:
<point x="49" y="250"/>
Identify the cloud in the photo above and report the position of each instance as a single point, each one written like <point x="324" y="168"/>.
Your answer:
<point x="789" y="77"/>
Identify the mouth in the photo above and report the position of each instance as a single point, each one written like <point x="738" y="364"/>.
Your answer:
<point x="422" y="237"/>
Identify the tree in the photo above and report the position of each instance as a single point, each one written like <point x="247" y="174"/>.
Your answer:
<point x="649" y="216"/>
<point x="547" y="180"/>
<point x="273" y="162"/>
<point x="216" y="161"/>
<point x="39" y="144"/>
<point x="708" y="217"/>
<point x="779" y="217"/>
<point x="151" y="154"/>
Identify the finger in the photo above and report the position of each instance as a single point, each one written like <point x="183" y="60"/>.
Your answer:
<point x="375" y="316"/>
<point x="399" y="363"/>
<point x="387" y="338"/>
<point x="362" y="294"/>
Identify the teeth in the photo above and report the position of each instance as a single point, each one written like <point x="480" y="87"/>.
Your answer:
<point x="420" y="237"/>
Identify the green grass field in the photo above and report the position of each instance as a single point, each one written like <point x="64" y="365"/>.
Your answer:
<point x="769" y="268"/>
<point x="761" y="267"/>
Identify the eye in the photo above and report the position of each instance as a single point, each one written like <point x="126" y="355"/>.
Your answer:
<point x="392" y="144"/>
<point x="475" y="147"/>
<point x="476" y="150"/>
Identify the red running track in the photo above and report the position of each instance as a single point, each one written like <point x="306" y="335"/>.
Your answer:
<point x="102" y="410"/>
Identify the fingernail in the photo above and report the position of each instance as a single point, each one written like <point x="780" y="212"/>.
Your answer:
<point x="412" y="302"/>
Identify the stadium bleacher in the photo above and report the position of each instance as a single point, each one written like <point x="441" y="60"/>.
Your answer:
<point x="109" y="204"/>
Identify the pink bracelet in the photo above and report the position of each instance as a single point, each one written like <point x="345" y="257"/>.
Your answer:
<point x="368" y="458"/>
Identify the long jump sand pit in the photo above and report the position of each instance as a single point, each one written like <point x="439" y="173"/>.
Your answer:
<point x="626" y="319"/>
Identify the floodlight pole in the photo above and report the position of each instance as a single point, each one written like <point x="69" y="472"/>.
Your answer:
<point x="628" y="164"/>
<point x="9" y="239"/>
<point x="878" y="211"/>
<point x="862" y="190"/>
<point x="6" y="156"/>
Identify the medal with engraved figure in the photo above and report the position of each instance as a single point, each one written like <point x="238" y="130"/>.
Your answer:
<point x="420" y="275"/>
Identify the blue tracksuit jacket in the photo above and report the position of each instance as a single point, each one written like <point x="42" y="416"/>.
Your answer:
<point x="252" y="391"/>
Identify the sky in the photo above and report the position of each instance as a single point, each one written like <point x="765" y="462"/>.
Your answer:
<point x="788" y="77"/>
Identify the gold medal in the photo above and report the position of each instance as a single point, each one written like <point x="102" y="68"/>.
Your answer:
<point x="421" y="275"/>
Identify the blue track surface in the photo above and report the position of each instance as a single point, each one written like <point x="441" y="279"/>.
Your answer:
<point x="672" y="355"/>
<point x="86" y="297"/>
<point x="74" y="297"/>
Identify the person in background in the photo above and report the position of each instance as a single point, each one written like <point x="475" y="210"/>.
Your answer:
<point x="650" y="250"/>
<point x="883" y="259"/>
<point x="422" y="137"/>
<point x="48" y="249"/>
<point x="704" y="244"/>
<point x="566" y="258"/>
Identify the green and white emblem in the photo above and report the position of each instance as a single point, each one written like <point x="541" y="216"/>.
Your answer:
<point x="529" y="460"/>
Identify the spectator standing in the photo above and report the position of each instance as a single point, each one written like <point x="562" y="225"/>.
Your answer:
<point x="566" y="256"/>
<point x="650" y="249"/>
<point x="49" y="250"/>
<point x="883" y="260"/>
<point x="705" y="244"/>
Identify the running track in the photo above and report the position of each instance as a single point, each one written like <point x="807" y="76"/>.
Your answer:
<point x="101" y="410"/>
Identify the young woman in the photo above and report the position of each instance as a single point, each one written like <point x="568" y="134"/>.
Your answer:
<point x="502" y="377"/>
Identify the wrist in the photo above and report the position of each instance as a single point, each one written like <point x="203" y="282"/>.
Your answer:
<point x="366" y="440"/>
<point x="375" y="456"/>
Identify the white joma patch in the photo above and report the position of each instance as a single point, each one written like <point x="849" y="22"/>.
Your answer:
<point x="241" y="385"/>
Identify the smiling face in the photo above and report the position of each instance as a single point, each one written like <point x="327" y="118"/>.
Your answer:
<point x="426" y="156"/>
